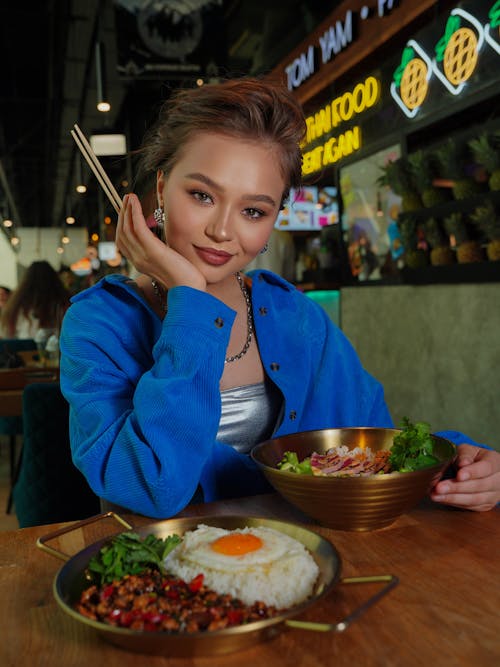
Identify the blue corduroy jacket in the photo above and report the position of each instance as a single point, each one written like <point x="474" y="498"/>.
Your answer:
<point x="144" y="393"/>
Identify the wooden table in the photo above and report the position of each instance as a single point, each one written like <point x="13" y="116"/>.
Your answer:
<point x="444" y="612"/>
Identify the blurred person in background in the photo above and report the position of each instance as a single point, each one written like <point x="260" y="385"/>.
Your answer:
<point x="68" y="278"/>
<point x="39" y="302"/>
<point x="5" y="292"/>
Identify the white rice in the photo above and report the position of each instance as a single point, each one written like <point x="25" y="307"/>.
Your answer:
<point x="283" y="581"/>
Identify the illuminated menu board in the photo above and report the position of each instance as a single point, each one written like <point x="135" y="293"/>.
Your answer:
<point x="310" y="208"/>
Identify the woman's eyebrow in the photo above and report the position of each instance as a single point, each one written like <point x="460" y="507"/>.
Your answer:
<point x="249" y="197"/>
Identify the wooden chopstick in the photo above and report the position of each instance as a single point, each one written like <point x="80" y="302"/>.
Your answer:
<point x="98" y="166"/>
<point x="93" y="162"/>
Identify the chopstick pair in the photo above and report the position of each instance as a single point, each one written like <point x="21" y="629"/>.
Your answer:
<point x="93" y="162"/>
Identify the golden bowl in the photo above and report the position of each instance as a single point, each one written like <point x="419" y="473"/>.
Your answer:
<point x="350" y="503"/>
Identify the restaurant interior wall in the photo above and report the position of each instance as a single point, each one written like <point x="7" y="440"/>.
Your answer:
<point x="435" y="350"/>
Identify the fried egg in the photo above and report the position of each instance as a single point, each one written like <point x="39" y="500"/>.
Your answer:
<point x="251" y="563"/>
<point x="234" y="550"/>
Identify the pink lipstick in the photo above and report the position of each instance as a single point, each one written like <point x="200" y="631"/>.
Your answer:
<point x="212" y="256"/>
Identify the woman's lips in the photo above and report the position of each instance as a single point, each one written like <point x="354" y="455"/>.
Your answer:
<point x="213" y="257"/>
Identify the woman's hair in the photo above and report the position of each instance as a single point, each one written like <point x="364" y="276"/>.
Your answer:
<point x="244" y="108"/>
<point x="40" y="294"/>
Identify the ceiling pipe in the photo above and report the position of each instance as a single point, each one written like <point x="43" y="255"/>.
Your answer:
<point x="100" y="65"/>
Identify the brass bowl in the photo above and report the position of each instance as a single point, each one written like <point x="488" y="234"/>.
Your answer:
<point x="349" y="503"/>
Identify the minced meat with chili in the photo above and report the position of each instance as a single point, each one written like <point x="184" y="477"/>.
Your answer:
<point x="155" y="602"/>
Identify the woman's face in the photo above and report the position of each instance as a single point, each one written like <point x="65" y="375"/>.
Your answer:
<point x="221" y="200"/>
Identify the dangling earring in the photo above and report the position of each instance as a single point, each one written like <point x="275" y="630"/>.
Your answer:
<point x="159" y="216"/>
<point x="264" y="249"/>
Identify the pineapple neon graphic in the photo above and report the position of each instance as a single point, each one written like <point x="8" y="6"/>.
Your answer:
<point x="411" y="79"/>
<point x="457" y="50"/>
<point x="493" y="27"/>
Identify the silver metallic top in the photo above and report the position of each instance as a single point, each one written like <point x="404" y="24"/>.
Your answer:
<point x="249" y="415"/>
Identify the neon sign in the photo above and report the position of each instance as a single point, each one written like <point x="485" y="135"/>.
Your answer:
<point x="457" y="51"/>
<point x="411" y="79"/>
<point x="344" y="107"/>
<point x="455" y="59"/>
<point x="334" y="40"/>
<point x="332" y="151"/>
<point x="363" y="96"/>
<point x="494" y="24"/>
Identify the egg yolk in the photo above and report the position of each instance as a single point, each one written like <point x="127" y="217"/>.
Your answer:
<point x="236" y="544"/>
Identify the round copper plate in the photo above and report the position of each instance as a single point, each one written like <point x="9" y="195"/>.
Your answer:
<point x="70" y="581"/>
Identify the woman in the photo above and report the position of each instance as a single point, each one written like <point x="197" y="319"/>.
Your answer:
<point x="39" y="302"/>
<point x="173" y="378"/>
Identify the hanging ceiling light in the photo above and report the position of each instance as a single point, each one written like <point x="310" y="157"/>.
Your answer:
<point x="79" y="184"/>
<point x="6" y="221"/>
<point x="102" y="103"/>
<point x="70" y="218"/>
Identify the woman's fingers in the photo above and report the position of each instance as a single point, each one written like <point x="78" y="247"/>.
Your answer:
<point x="476" y="501"/>
<point x="133" y="237"/>
<point x="476" y="485"/>
<point x="148" y="253"/>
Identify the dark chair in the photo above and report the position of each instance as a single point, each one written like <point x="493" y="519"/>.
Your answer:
<point x="49" y="488"/>
<point x="17" y="344"/>
<point x="13" y="426"/>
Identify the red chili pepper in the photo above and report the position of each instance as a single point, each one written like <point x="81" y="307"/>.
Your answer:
<point x="196" y="583"/>
<point x="234" y="616"/>
<point x="108" y="591"/>
<point x="126" y="619"/>
<point x="172" y="593"/>
<point x="152" y="617"/>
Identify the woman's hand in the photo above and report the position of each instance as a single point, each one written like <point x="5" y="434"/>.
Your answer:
<point x="476" y="485"/>
<point x="148" y="253"/>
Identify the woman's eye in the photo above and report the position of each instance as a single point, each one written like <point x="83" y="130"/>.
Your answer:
<point x="202" y="196"/>
<point x="254" y="213"/>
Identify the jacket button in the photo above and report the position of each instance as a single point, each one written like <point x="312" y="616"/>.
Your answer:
<point x="262" y="311"/>
<point x="275" y="366"/>
<point x="293" y="415"/>
<point x="219" y="322"/>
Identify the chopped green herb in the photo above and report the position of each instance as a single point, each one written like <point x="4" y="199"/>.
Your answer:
<point x="290" y="463"/>
<point x="128" y="553"/>
<point x="412" y="448"/>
